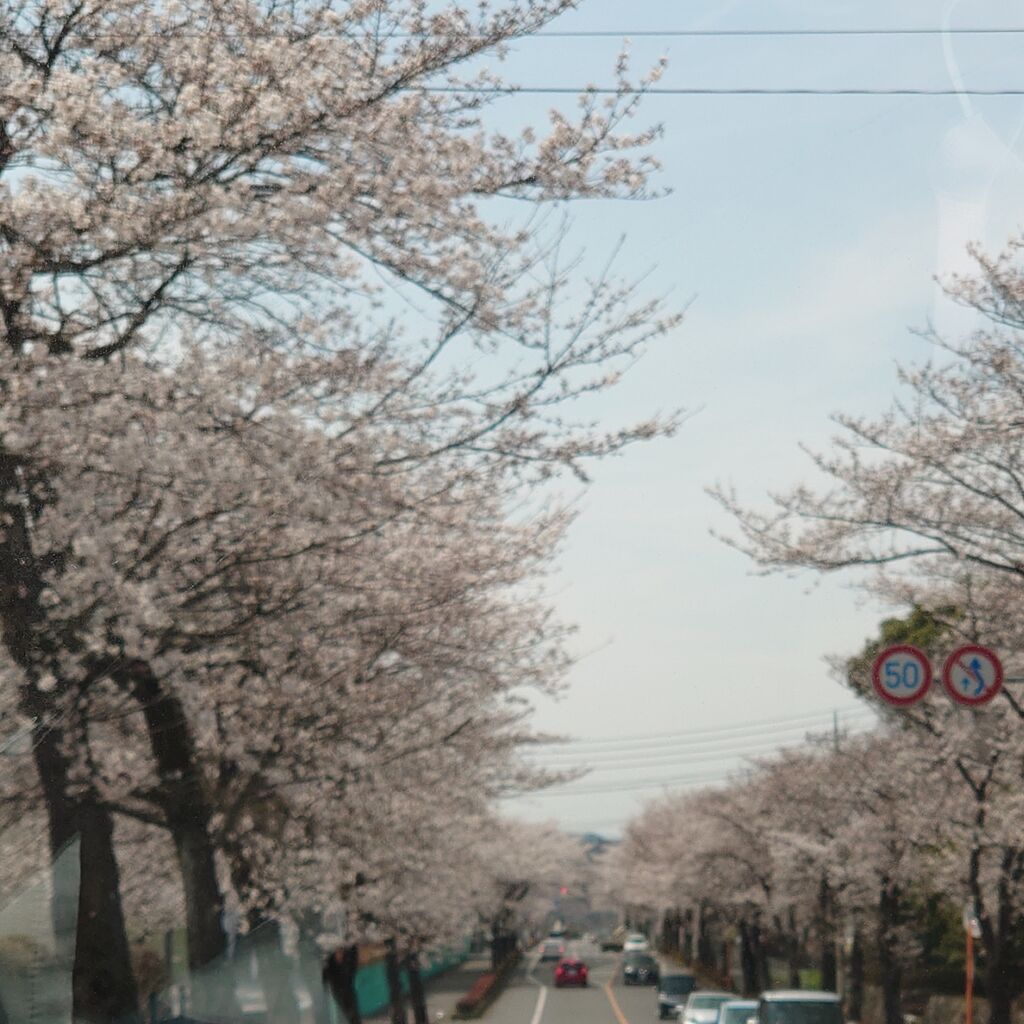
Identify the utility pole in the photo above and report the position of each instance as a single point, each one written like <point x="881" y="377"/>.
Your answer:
<point x="840" y="946"/>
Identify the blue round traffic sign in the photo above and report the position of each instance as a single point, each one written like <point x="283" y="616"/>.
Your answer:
<point x="901" y="675"/>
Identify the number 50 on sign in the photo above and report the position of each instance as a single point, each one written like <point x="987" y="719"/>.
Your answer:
<point x="901" y="675"/>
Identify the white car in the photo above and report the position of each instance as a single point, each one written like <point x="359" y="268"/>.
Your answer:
<point x="702" y="1007"/>
<point x="799" y="1007"/>
<point x="636" y="943"/>
<point x="737" y="1011"/>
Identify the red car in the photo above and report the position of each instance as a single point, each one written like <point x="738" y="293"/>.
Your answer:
<point x="570" y="971"/>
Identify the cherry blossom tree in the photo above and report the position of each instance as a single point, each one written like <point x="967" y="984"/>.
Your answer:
<point x="929" y="495"/>
<point x="522" y="867"/>
<point x="972" y="758"/>
<point x="198" y="203"/>
<point x="429" y="651"/>
<point x="807" y="843"/>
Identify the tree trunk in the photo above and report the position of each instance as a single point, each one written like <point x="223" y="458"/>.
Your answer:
<point x="503" y="943"/>
<point x="764" y="973"/>
<point x="671" y="927"/>
<point x="395" y="993"/>
<point x="785" y="929"/>
<point x="705" y="954"/>
<point x="102" y="983"/>
<point x="826" y="932"/>
<point x="417" y="993"/>
<point x="188" y="812"/>
<point x="52" y="768"/>
<point x="890" y="971"/>
<point x="340" y="976"/>
<point x="86" y="907"/>
<point x="999" y="987"/>
<point x="1001" y="970"/>
<point x="748" y="960"/>
<point x="793" y="942"/>
<point x="855" y="992"/>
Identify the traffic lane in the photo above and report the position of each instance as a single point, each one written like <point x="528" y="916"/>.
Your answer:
<point x="589" y="1005"/>
<point x="639" y="1003"/>
<point x="601" y="967"/>
<point x="531" y="997"/>
<point x="595" y="1004"/>
<point x="519" y="1000"/>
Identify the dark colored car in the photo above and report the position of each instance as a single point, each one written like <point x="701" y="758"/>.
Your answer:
<point x="640" y="969"/>
<point x="570" y="971"/>
<point x="672" y="992"/>
<point x="610" y="943"/>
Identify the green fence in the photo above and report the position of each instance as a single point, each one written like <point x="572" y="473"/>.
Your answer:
<point x="372" y="981"/>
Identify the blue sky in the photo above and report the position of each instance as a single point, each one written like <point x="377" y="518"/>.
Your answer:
<point x="808" y="232"/>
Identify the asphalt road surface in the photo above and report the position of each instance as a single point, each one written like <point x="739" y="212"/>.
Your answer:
<point x="531" y="997"/>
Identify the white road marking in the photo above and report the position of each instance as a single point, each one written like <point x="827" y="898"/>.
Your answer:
<point x="542" y="996"/>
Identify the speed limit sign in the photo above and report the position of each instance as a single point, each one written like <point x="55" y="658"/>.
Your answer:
<point x="901" y="675"/>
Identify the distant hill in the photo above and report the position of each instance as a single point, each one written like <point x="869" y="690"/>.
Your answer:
<point x="595" y="844"/>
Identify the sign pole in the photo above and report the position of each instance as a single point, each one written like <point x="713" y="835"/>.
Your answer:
<point x="969" y="992"/>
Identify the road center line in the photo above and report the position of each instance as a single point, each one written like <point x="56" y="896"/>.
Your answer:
<point x="542" y="996"/>
<point x="616" y="1009"/>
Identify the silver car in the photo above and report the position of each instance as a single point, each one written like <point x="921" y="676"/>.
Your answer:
<point x="703" y="1007"/>
<point x="737" y="1011"/>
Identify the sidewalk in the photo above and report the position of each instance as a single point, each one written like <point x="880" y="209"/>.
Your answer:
<point x="445" y="990"/>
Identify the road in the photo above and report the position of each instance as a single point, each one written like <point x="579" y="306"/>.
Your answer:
<point x="531" y="998"/>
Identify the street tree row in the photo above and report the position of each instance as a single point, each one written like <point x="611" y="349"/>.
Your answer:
<point x="924" y="505"/>
<point x="289" y="355"/>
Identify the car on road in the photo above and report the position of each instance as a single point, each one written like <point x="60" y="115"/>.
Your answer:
<point x="570" y="971"/>
<point x="737" y="1011"/>
<point x="703" y="1007"/>
<point x="798" y="1006"/>
<point x="673" y="990"/>
<point x="639" y="969"/>
<point x="636" y="943"/>
<point x="553" y="949"/>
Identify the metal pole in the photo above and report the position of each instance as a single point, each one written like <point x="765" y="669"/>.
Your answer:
<point x="969" y="992"/>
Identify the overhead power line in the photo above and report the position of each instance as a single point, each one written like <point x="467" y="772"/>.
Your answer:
<point x="697" y="778"/>
<point x="722" y="747"/>
<point x="614" y="33"/>
<point x="557" y="90"/>
<point x="753" y="33"/>
<point x="684" y="757"/>
<point x="824" y="717"/>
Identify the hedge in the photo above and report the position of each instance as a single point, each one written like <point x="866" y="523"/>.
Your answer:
<point x="485" y="990"/>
